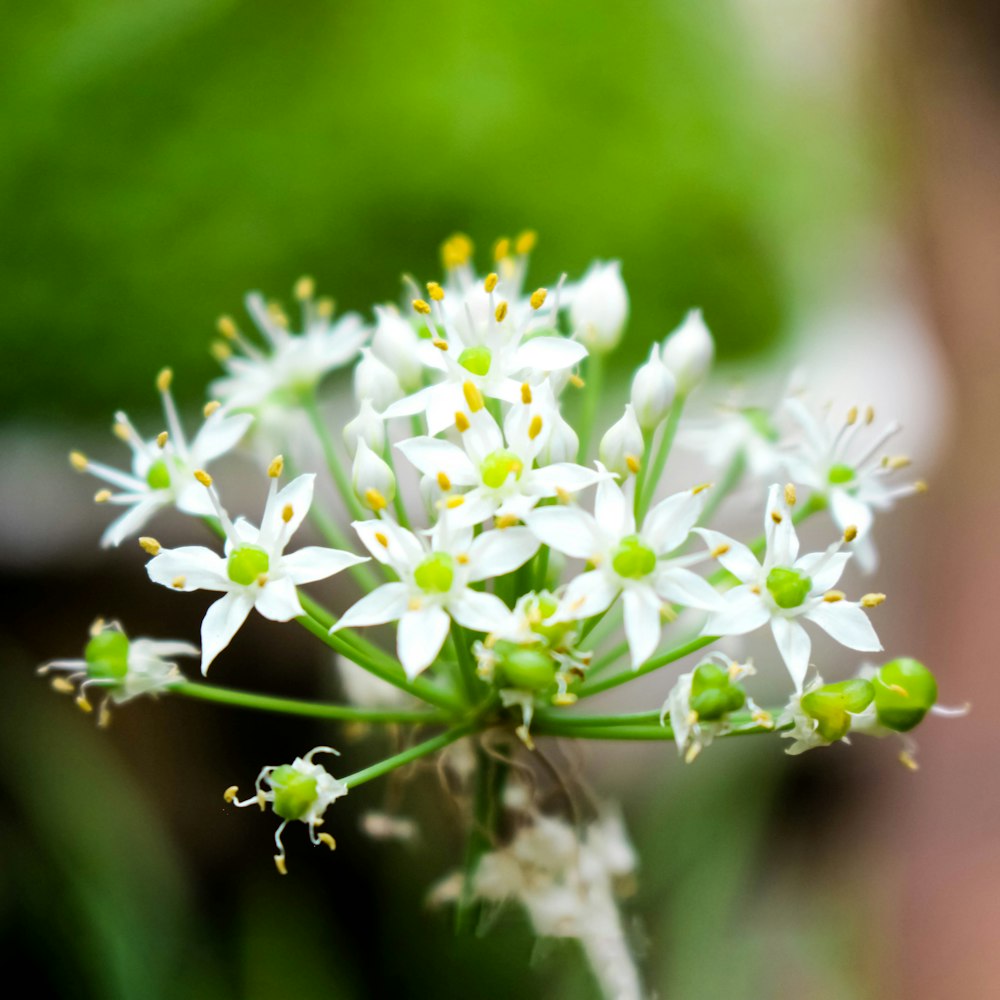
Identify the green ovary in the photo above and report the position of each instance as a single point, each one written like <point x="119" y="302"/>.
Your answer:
<point x="107" y="656"/>
<point x="476" y="360"/>
<point x="632" y="559"/>
<point x="529" y="667"/>
<point x="788" y="587"/>
<point x="435" y="574"/>
<point x="840" y="474"/>
<point x="498" y="467"/>
<point x="905" y="692"/>
<point x="294" y="792"/>
<point x="714" y="694"/>
<point x="247" y="564"/>
<point x="158" y="476"/>
<point x="833" y="704"/>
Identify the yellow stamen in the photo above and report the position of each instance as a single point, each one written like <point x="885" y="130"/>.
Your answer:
<point x="719" y="550"/>
<point x="896" y="461"/>
<point x="452" y="502"/>
<point x="415" y="604"/>
<point x="491" y="281"/>
<point x="852" y="415"/>
<point x="462" y="422"/>
<point x="755" y="589"/>
<point x="220" y="351"/>
<point x="525" y="393"/>
<point x="456" y="251"/>
<point x="908" y="762"/>
<point x="374" y="499"/>
<point x="692" y="753"/>
<point x="872" y="600"/>
<point x="441" y="345"/>
<point x="563" y="495"/>
<point x="277" y="314"/>
<point x="102" y="496"/>
<point x="103" y="716"/>
<point x="164" y="379"/>
<point x="535" y="427"/>
<point x="277" y="466"/>
<point x="538" y="298"/>
<point x="305" y="288"/>
<point x="501" y="312"/>
<point x="435" y="291"/>
<point x="501" y="249"/>
<point x="83" y="704"/>
<point x="564" y="698"/>
<point x="869" y="414"/>
<point x="121" y="431"/>
<point x="832" y="596"/>
<point x="790" y="496"/>
<point x="326" y="838"/>
<point x="633" y="464"/>
<point x="229" y="795"/>
<point x="762" y="718"/>
<point x="920" y="486"/>
<point x="78" y="460"/>
<point x="161" y="439"/>
<point x="150" y="545"/>
<point x="211" y="407"/>
<point x="287" y="513"/>
<point x="776" y="517"/>
<point x="473" y="396"/>
<point x="462" y="559"/>
<point x="96" y="626"/>
<point x="443" y="481"/>
<point x="898" y="689"/>
<point x="505" y="521"/>
<point x="850" y="533"/>
<point x="701" y="488"/>
<point x="226" y="326"/>
<point x="279" y="863"/>
<point x="178" y="582"/>
<point x="62" y="685"/>
<point x="382" y="539"/>
<point x="203" y="477"/>
<point x="576" y="381"/>
<point x="325" y="307"/>
<point x="421" y="307"/>
<point x="526" y="241"/>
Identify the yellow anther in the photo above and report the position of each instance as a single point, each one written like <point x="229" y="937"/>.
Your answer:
<point x="421" y="307"/>
<point x="526" y="396"/>
<point x="852" y="415"/>
<point x="261" y="579"/>
<point x="415" y="604"/>
<point x="83" y="704"/>
<point x="161" y="439"/>
<point x="700" y="488"/>
<point x="869" y="414"/>
<point x="375" y="500"/>
<point x="501" y="249"/>
<point x="287" y="513"/>
<point x="178" y="582"/>
<point x="456" y="251"/>
<point x="150" y="545"/>
<point x="505" y="521"/>
<point x="121" y="431"/>
<point x="226" y="327"/>
<point x="220" y="351"/>
<point x="326" y="838"/>
<point x="719" y="550"/>
<point x="211" y="407"/>
<point x="920" y="486"/>
<point x="898" y="689"/>
<point x="305" y="288"/>
<point x="563" y="495"/>
<point x="441" y="345"/>
<point x="277" y="466"/>
<point x="524" y="735"/>
<point x="733" y="670"/>
<point x="279" y="863"/>
<point x="78" y="460"/>
<point x="97" y="626"/>
<point x="325" y="307"/>
<point x="277" y="314"/>
<point x="491" y="281"/>
<point x="755" y="589"/>
<point x="62" y="685"/>
<point x="896" y="461"/>
<point x="102" y="496"/>
<point x="535" y="427"/>
<point x="526" y="241"/>
<point x="462" y="422"/>
<point x="473" y="397"/>
<point x="462" y="559"/>
<point x="452" y="502"/>
<point x="564" y="698"/>
<point x="203" y="477"/>
<point x="850" y="533"/>
<point x="872" y="600"/>
<point x="790" y="496"/>
<point x="762" y="718"/>
<point x="435" y="291"/>
<point x="229" y="795"/>
<point x="103" y="716"/>
<point x="164" y="379"/>
<point x="633" y="464"/>
<point x="501" y="312"/>
<point x="538" y="298"/>
<point x="908" y="762"/>
<point x="443" y="481"/>
<point x="776" y="517"/>
<point x="261" y="802"/>
<point x="576" y="381"/>
<point x="832" y="596"/>
<point x="692" y="753"/>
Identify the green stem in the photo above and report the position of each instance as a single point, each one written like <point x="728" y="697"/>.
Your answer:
<point x="656" y="732"/>
<point x="293" y="706"/>
<point x="466" y="666"/>
<point x="541" y="567"/>
<point x="659" y="463"/>
<point x="408" y="756"/>
<point x="340" y="477"/>
<point x="591" y="402"/>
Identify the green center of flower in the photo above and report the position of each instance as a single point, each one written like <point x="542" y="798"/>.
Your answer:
<point x="831" y="704"/>
<point x="294" y="792"/>
<point x="476" y="360"/>
<point x="528" y="667"/>
<point x="435" y="574"/>
<point x="840" y="474"/>
<point x="498" y="466"/>
<point x="760" y="421"/>
<point x="158" y="476"/>
<point x="904" y="693"/>
<point x="247" y="564"/>
<point x="788" y="587"/>
<point x="713" y="693"/>
<point x="107" y="656"/>
<point x="633" y="559"/>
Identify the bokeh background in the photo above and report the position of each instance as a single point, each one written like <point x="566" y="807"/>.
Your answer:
<point x="824" y="180"/>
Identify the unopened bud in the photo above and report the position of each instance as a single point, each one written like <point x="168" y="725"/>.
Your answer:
<point x="396" y="343"/>
<point x="599" y="307"/>
<point x="653" y="390"/>
<point x="367" y="426"/>
<point x="375" y="380"/>
<point x="373" y="481"/>
<point x="688" y="352"/>
<point x="622" y="442"/>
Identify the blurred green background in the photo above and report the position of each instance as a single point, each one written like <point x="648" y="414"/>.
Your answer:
<point x="162" y="158"/>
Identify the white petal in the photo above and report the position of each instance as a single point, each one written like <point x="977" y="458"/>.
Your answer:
<point x="568" y="476"/>
<point x="443" y="402"/>
<point x="588" y="594"/>
<point x="794" y="645"/>
<point x="278" y="601"/>
<point x="569" y="530"/>
<point x="298" y="495"/>
<point x="782" y="542"/>
<point x="642" y="623"/>
<point x="547" y="354"/>
<point x="317" y="563"/>
<point x="132" y="521"/>
<point x="433" y="456"/>
<point x="476" y="506"/>
<point x="824" y="569"/>
<point x="743" y="612"/>
<point x="160" y="648"/>
<point x="613" y="509"/>
<point x="737" y="558"/>
<point x="846" y="623"/>
<point x="218" y="435"/>
<point x="194" y="499"/>
<point x="483" y="436"/>
<point x="669" y="523"/>
<point x="479" y="611"/>
<point x="416" y="402"/>
<point x="384" y="604"/>
<point x="497" y="552"/>
<point x="681" y="586"/>
<point x="221" y="623"/>
<point x="191" y="567"/>
<point x="420" y="638"/>
<point x="404" y="548"/>
<point x="848" y="511"/>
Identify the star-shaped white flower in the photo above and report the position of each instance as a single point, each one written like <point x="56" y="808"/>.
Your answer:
<point x="162" y="467"/>
<point x="786" y="587"/>
<point x="628" y="560"/>
<point x="254" y="572"/>
<point x="436" y="573"/>
<point x="495" y="468"/>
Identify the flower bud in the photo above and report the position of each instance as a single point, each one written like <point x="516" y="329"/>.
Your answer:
<point x="653" y="390"/>
<point x="622" y="446"/>
<point x="905" y="691"/>
<point x="833" y="705"/>
<point x="373" y="481"/>
<point x="713" y="693"/>
<point x="367" y="426"/>
<point x="375" y="380"/>
<point x="599" y="307"/>
<point x="688" y="352"/>
<point x="106" y="655"/>
<point x="396" y="343"/>
<point x="562" y="443"/>
<point x="529" y="667"/>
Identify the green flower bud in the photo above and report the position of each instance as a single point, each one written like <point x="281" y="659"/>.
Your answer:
<point x="158" y="476"/>
<point x="294" y="792"/>
<point x="498" y="466"/>
<point x="435" y="574"/>
<point x="840" y="474"/>
<point x="476" y="360"/>
<point x="246" y="564"/>
<point x="633" y="559"/>
<point x="713" y="693"/>
<point x="107" y="655"/>
<point x="904" y="693"/>
<point x="529" y="667"/>
<point x="832" y="704"/>
<point x="788" y="587"/>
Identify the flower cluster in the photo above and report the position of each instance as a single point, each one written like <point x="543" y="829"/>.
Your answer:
<point x="524" y="563"/>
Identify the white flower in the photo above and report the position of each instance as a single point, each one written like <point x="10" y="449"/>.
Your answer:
<point x="373" y="481"/>
<point x="254" y="572"/>
<point x="302" y="790"/>
<point x="290" y="364"/>
<point x="804" y="731"/>
<point x="496" y="468"/>
<point x="367" y="426"/>
<point x="124" y="668"/>
<point x="735" y="431"/>
<point x="622" y="446"/>
<point x="786" y="587"/>
<point x="653" y="391"/>
<point x="435" y="583"/>
<point x="628" y="560"/>
<point x="397" y="345"/>
<point x="162" y="467"/>
<point x="374" y="380"/>
<point x="599" y="306"/>
<point x="850" y="472"/>
<point x="689" y="351"/>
